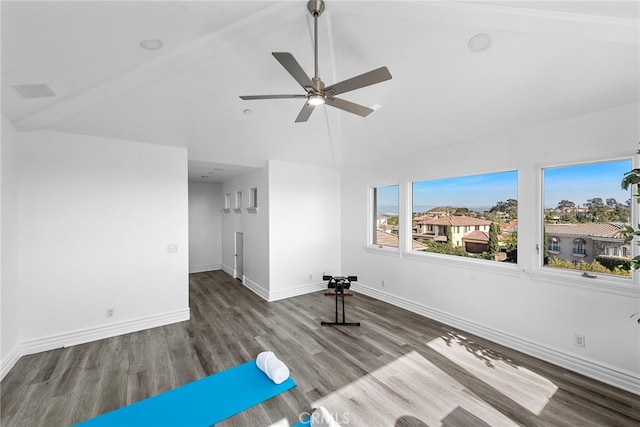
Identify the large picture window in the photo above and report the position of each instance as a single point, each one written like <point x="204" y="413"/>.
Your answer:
<point x="385" y="216"/>
<point x="473" y="216"/>
<point x="585" y="211"/>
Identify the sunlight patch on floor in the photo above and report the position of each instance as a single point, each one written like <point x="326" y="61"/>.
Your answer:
<point x="521" y="385"/>
<point x="409" y="387"/>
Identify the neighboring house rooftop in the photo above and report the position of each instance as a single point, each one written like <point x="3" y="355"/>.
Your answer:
<point x="476" y="237"/>
<point x="389" y="239"/>
<point x="455" y="220"/>
<point x="590" y="229"/>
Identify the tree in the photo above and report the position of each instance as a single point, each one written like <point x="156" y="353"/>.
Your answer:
<point x="632" y="179"/>
<point x="493" y="239"/>
<point x="612" y="203"/>
<point x="510" y="206"/>
<point x="596" y="201"/>
<point x="449" y="236"/>
<point x="566" y="204"/>
<point x="445" y="248"/>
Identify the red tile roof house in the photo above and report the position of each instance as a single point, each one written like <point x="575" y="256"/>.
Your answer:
<point x="472" y="233"/>
<point x="586" y="241"/>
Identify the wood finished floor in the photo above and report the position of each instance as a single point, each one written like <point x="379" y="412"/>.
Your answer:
<point x="398" y="369"/>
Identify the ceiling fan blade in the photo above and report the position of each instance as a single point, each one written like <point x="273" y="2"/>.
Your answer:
<point x="304" y="114"/>
<point x="291" y="65"/>
<point x="250" y="97"/>
<point x="372" y="77"/>
<point x="349" y="106"/>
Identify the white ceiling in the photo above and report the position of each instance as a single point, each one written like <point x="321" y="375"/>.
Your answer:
<point x="547" y="61"/>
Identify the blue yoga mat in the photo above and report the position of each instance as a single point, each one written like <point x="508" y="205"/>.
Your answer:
<point x="201" y="403"/>
<point x="305" y="422"/>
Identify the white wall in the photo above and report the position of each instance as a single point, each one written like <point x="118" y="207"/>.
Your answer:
<point x="205" y="226"/>
<point x="255" y="229"/>
<point x="97" y="219"/>
<point x="294" y="237"/>
<point x="9" y="295"/>
<point x="513" y="305"/>
<point x="304" y="227"/>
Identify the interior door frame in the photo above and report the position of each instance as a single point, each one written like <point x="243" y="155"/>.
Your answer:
<point x="238" y="255"/>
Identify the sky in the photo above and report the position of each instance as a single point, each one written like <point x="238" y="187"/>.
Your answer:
<point x="583" y="182"/>
<point x="477" y="191"/>
<point x="575" y="183"/>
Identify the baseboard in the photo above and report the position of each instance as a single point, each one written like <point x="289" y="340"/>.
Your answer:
<point x="283" y="293"/>
<point x="256" y="288"/>
<point x="10" y="361"/>
<point x="625" y="380"/>
<point x="229" y="270"/>
<point x="81" y="336"/>
<point x="296" y="291"/>
<point x="203" y="268"/>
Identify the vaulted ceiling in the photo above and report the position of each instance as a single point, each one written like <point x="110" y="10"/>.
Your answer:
<point x="546" y="61"/>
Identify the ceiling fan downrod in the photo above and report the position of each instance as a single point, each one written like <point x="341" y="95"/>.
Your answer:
<point x="316" y="7"/>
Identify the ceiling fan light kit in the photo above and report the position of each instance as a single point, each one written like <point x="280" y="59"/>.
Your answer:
<point x="316" y="92"/>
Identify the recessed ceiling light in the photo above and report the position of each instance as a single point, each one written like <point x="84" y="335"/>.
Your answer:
<point x="479" y="43"/>
<point x="153" y="44"/>
<point x="204" y="176"/>
<point x="247" y="112"/>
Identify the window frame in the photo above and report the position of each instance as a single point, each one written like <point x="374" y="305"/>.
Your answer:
<point x="512" y="269"/>
<point x="608" y="283"/>
<point x="372" y="222"/>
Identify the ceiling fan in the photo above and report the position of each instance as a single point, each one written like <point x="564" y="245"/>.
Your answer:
<point x="316" y="92"/>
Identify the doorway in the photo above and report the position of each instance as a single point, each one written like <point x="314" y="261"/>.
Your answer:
<point x="239" y="270"/>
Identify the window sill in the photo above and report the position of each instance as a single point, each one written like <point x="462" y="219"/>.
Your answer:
<point x="252" y="210"/>
<point x="383" y="250"/>
<point x="600" y="283"/>
<point x="237" y="210"/>
<point x="507" y="268"/>
<point x="226" y="210"/>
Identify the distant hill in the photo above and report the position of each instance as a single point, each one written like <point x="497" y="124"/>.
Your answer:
<point x="449" y="210"/>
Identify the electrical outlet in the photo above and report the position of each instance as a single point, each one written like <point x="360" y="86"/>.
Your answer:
<point x="383" y="284"/>
<point x="579" y="340"/>
<point x="109" y="312"/>
<point x="310" y="276"/>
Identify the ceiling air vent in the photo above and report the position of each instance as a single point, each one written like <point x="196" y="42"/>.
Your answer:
<point x="34" y="90"/>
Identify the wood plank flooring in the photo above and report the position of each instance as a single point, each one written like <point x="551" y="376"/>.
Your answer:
<point x="398" y="369"/>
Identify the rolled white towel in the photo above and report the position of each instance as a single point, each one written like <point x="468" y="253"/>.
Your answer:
<point x="275" y="368"/>
<point x="322" y="418"/>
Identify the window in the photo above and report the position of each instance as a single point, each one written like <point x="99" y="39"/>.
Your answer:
<point x="227" y="202"/>
<point x="585" y="206"/>
<point x="238" y="207"/>
<point x="385" y="216"/>
<point x="473" y="216"/>
<point x="253" y="202"/>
